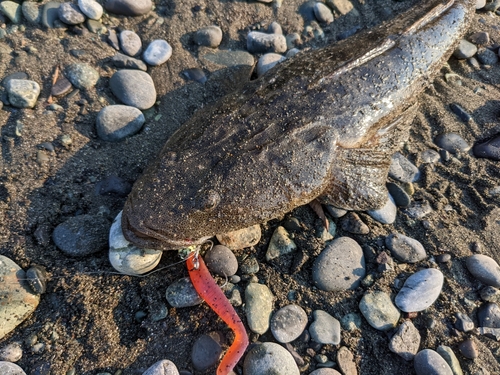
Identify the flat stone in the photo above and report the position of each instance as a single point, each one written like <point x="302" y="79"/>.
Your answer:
<point x="91" y="8"/>
<point x="385" y="214"/>
<point x="134" y="88"/>
<point x="480" y="38"/>
<point x="130" y="43"/>
<point x="113" y="39"/>
<point x="81" y="75"/>
<point x="50" y="14"/>
<point x="229" y="58"/>
<point x="210" y="36"/>
<point x="7" y="368"/>
<point x="490" y="294"/>
<point x="464" y="323"/>
<point x="489" y="149"/>
<point x="122" y="61"/>
<point x="430" y="156"/>
<point x="61" y="87"/>
<point x="402" y="169"/>
<point x="116" y="122"/>
<point x="22" y="93"/>
<point x="465" y="49"/>
<point x="345" y="360"/>
<point x="280" y="244"/>
<point x="258" y="308"/>
<point x="22" y="301"/>
<point x="268" y="61"/>
<point x="405" y="341"/>
<point x="242" y="238"/>
<point x="288" y="323"/>
<point x="429" y="362"/>
<point x="95" y="27"/>
<point x="486" y="56"/>
<point x="163" y="367"/>
<point x="379" y="311"/>
<point x="353" y="224"/>
<point x="400" y="196"/>
<point x="70" y="14"/>
<point x="128" y="7"/>
<point x="269" y="358"/>
<point x="325" y="329"/>
<point x="11" y="10"/>
<point x="418" y="210"/>
<point x="488" y="315"/>
<point x="484" y="268"/>
<point x="258" y="42"/>
<point x="340" y="266"/>
<point x="221" y="261"/>
<point x="182" y="293"/>
<point x="420" y="290"/>
<point x="157" y="52"/>
<point x="205" y="353"/>
<point x="404" y="248"/>
<point x="447" y="353"/>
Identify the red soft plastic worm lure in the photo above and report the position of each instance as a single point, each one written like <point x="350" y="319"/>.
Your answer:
<point x="211" y="293"/>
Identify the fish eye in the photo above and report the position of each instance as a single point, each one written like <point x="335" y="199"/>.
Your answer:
<point x="208" y="201"/>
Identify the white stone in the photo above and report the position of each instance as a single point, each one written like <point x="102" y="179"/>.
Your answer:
<point x="91" y="8"/>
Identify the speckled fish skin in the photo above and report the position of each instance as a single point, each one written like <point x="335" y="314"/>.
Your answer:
<point x="321" y="125"/>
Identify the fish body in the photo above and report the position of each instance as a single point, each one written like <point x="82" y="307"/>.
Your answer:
<point x="322" y="125"/>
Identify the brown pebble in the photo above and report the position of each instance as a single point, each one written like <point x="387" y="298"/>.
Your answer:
<point x="468" y="349"/>
<point x="443" y="258"/>
<point x="61" y="87"/>
<point x="411" y="315"/>
<point x="352" y="223"/>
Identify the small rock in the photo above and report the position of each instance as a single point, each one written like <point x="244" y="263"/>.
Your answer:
<point x="379" y="311"/>
<point x="351" y="322"/>
<point x="128" y="7"/>
<point x="61" y="87"/>
<point x="280" y="244"/>
<point x="249" y="266"/>
<point x="488" y="315"/>
<point x="323" y="13"/>
<point x="50" y="14"/>
<point x="460" y="112"/>
<point x="116" y="122"/>
<point x="427" y="362"/>
<point x="402" y="169"/>
<point x="122" y="61"/>
<point x="82" y="75"/>
<point x="210" y="36"/>
<point x="70" y="14"/>
<point x="229" y="58"/>
<point x="430" y="156"/>
<point x="335" y="212"/>
<point x="418" y="210"/>
<point x="32" y="12"/>
<point x="181" y="293"/>
<point x="130" y="43"/>
<point x="490" y="294"/>
<point x="113" y="40"/>
<point x="157" y="53"/>
<point x="447" y="353"/>
<point x="269" y="358"/>
<point x="325" y="329"/>
<point x="288" y="323"/>
<point x="163" y="367"/>
<point x="405" y="341"/>
<point x="464" y="323"/>
<point x="206" y="352"/>
<point x="91" y="8"/>
<point x="325" y="371"/>
<point x="239" y="239"/>
<point x="195" y="74"/>
<point x="113" y="185"/>
<point x="404" y="248"/>
<point x="7" y="368"/>
<point x="11" y="352"/>
<point x="465" y="49"/>
<point x="221" y="261"/>
<point x="486" y="56"/>
<point x="134" y="88"/>
<point x="258" y="42"/>
<point x="274" y="28"/>
<point x="468" y="348"/>
<point x="341" y="6"/>
<point x="22" y="93"/>
<point x="258" y="308"/>
<point x="489" y="149"/>
<point x="484" y="268"/>
<point x="401" y="198"/>
<point x="352" y="223"/>
<point x="420" y="290"/>
<point x="267" y="62"/>
<point x="96" y="27"/>
<point x="345" y="360"/>
<point x="385" y="214"/>
<point x="36" y="276"/>
<point x="480" y="38"/>
<point x="11" y="10"/>
<point x="480" y="4"/>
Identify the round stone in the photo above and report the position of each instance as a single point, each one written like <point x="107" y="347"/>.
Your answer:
<point x="379" y="311"/>
<point x="210" y="36"/>
<point x="182" y="293"/>
<point x="134" y="88"/>
<point x="115" y="122"/>
<point x="404" y="248"/>
<point x="22" y="93"/>
<point x="428" y="362"/>
<point x="340" y="266"/>
<point x="465" y="49"/>
<point x="258" y="307"/>
<point x="163" y="367"/>
<point x="420" y="290"/>
<point x="452" y="142"/>
<point x="269" y="358"/>
<point x="11" y="353"/>
<point x="323" y="13"/>
<point x="91" y="8"/>
<point x="385" y="214"/>
<point x="82" y="75"/>
<point x="468" y="349"/>
<point x="130" y="42"/>
<point x="267" y="62"/>
<point x="239" y="239"/>
<point x="325" y="329"/>
<point x="157" y="53"/>
<point x="484" y="268"/>
<point x="288" y="323"/>
<point x="32" y="12"/>
<point x="486" y="56"/>
<point x="325" y="371"/>
<point x="489" y="149"/>
<point x="206" y="352"/>
<point x="70" y="14"/>
<point x="258" y="42"/>
<point x="7" y="368"/>
<point x="221" y="260"/>
<point x="128" y="7"/>
<point x="405" y="341"/>
<point x="274" y="28"/>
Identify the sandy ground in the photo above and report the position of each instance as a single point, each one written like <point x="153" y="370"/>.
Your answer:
<point x="86" y="318"/>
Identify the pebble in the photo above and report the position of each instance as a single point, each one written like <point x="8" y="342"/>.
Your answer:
<point x="81" y="235"/>
<point x="134" y="88"/>
<point x="460" y="112"/>
<point x="274" y="28"/>
<point x="325" y="329"/>
<point x="352" y="223"/>
<point x="325" y="371"/>
<point x="116" y="122"/>
<point x="70" y="14"/>
<point x="269" y="358"/>
<point x="464" y="323"/>
<point x="430" y="156"/>
<point x="122" y="61"/>
<point x="114" y="186"/>
<point x="465" y="49"/>
<point x="128" y="7"/>
<point x="418" y="210"/>
<point x="130" y="43"/>
<point x="50" y="14"/>
<point x="447" y="353"/>
<point x="21" y="301"/>
<point x="61" y="87"/>
<point x="81" y="75"/>
<point x="91" y="8"/>
<point x="480" y="38"/>
<point x="323" y="13"/>
<point x="210" y="36"/>
<point x="490" y="294"/>
<point x="268" y="61"/>
<point x="335" y="212"/>
<point x="288" y="323"/>
<point x="239" y="239"/>
<point x="126" y="258"/>
<point x="11" y="352"/>
<point x="229" y="58"/>
<point x="488" y="315"/>
<point x="345" y="360"/>
<point x="401" y="198"/>
<point x="195" y="74"/>
<point x="113" y="40"/>
<point x="385" y="214"/>
<point x="292" y="52"/>
<point x="486" y="56"/>
<point x="340" y="266"/>
<point x="341" y="6"/>
<point x="22" y="93"/>
<point x="351" y="322"/>
<point x="468" y="349"/>
<point x="7" y="368"/>
<point x="484" y="268"/>
<point x="258" y="307"/>
<point x="428" y="362"/>
<point x="163" y="367"/>
<point x="205" y="353"/>
<point x="489" y="149"/>
<point x="221" y="261"/>
<point x="405" y="249"/>
<point x="405" y="341"/>
<point x="379" y="311"/>
<point x="157" y="52"/>
<point x="258" y="42"/>
<point x="420" y="290"/>
<point x="181" y="293"/>
<point x="11" y="10"/>
<point x="95" y="27"/>
<point x="249" y="266"/>
<point x="32" y="12"/>
<point x="280" y="244"/>
<point x="402" y="169"/>
<point x="36" y="277"/>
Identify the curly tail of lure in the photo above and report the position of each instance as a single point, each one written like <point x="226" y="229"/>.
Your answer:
<point x="211" y="293"/>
